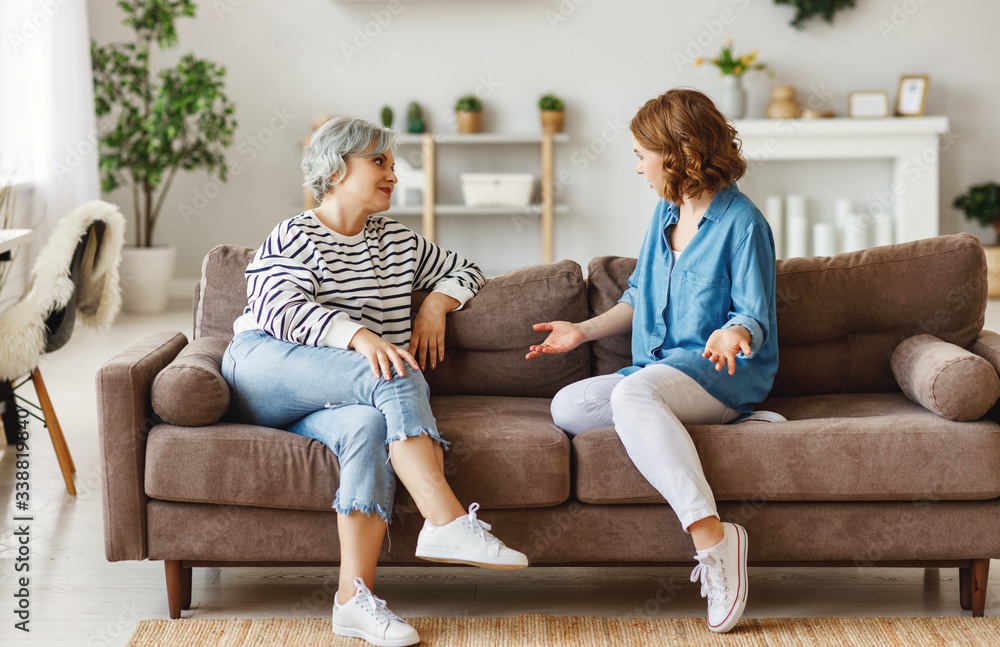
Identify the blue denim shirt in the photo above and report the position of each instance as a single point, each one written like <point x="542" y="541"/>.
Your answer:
<point x="724" y="277"/>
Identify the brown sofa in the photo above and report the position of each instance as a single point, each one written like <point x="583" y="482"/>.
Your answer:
<point x="862" y="474"/>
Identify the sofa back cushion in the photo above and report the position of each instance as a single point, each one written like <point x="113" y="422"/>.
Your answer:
<point x="840" y="317"/>
<point x="485" y="342"/>
<point x="221" y="295"/>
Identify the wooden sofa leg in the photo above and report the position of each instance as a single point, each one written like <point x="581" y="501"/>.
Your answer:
<point x="186" y="572"/>
<point x="978" y="576"/>
<point x="964" y="590"/>
<point x="178" y="587"/>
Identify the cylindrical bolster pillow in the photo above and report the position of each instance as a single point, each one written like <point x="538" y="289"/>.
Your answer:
<point x="945" y="378"/>
<point x="190" y="391"/>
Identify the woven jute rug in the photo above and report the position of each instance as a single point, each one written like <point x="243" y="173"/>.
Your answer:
<point x="553" y="631"/>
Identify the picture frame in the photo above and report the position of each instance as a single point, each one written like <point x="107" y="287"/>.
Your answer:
<point x="868" y="104"/>
<point x="912" y="95"/>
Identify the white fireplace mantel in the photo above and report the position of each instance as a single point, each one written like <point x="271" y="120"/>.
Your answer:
<point x="913" y="144"/>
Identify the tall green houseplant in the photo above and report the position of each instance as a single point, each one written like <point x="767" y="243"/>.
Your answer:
<point x="164" y="120"/>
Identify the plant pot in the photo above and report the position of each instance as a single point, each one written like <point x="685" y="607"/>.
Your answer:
<point x="145" y="278"/>
<point x="469" y="122"/>
<point x="733" y="100"/>
<point x="552" y="120"/>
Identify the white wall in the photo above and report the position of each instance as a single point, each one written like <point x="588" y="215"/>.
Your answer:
<point x="604" y="58"/>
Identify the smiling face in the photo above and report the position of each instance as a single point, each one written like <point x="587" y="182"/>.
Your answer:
<point x="368" y="182"/>
<point x="650" y="164"/>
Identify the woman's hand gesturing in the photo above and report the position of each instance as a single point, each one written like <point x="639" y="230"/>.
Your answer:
<point x="565" y="336"/>
<point x="382" y="356"/>
<point x="723" y="344"/>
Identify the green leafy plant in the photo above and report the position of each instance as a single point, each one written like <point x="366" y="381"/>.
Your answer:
<point x="469" y="103"/>
<point x="806" y="9"/>
<point x="387" y="116"/>
<point x="729" y="64"/>
<point x="164" y="120"/>
<point x="551" y="102"/>
<point x="414" y="119"/>
<point x="981" y="203"/>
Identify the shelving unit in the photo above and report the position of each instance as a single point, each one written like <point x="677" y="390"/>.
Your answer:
<point x="428" y="142"/>
<point x="546" y="210"/>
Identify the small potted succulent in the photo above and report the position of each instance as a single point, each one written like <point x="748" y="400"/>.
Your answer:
<point x="415" y="119"/>
<point x="553" y="112"/>
<point x="981" y="203"/>
<point x="469" y="113"/>
<point x="387" y="116"/>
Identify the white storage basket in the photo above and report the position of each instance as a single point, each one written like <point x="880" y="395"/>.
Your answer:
<point x="497" y="189"/>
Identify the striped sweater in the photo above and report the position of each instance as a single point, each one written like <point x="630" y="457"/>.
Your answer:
<point x="310" y="285"/>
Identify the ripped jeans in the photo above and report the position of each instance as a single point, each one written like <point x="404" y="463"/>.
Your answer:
<point x="331" y="395"/>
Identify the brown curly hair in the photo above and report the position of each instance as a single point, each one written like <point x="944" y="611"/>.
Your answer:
<point x="700" y="149"/>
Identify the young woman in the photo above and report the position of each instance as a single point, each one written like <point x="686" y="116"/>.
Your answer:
<point x="325" y="349"/>
<point x="701" y="300"/>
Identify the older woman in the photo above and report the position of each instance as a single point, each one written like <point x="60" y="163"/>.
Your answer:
<point x="701" y="300"/>
<point x="325" y="349"/>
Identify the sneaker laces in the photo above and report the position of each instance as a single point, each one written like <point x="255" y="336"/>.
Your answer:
<point x="480" y="527"/>
<point x="712" y="582"/>
<point x="373" y="604"/>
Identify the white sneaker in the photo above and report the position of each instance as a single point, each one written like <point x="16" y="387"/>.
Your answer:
<point x="366" y="616"/>
<point x="764" y="416"/>
<point x="723" y="572"/>
<point x="467" y="540"/>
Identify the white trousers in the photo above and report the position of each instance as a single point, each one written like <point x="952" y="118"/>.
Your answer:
<point x="649" y="409"/>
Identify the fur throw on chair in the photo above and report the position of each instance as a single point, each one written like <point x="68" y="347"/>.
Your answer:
<point x="51" y="287"/>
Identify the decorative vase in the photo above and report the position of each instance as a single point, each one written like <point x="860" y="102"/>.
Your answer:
<point x="733" y="101"/>
<point x="145" y="278"/>
<point x="552" y="120"/>
<point x="469" y="122"/>
<point x="783" y="104"/>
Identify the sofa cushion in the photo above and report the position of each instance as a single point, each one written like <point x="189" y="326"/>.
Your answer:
<point x="222" y="293"/>
<point x="846" y="313"/>
<point x="486" y="341"/>
<point x="950" y="381"/>
<point x="505" y="453"/>
<point x="607" y="279"/>
<point x="840" y="447"/>
<point x="190" y="391"/>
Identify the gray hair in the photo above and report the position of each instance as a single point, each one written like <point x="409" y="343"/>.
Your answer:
<point x="337" y="141"/>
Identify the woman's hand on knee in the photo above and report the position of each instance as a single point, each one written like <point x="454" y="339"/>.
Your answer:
<point x="723" y="345"/>
<point x="564" y="336"/>
<point x="381" y="355"/>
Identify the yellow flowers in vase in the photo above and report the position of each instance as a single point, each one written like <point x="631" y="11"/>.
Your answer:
<point x="732" y="65"/>
<point x="733" y="98"/>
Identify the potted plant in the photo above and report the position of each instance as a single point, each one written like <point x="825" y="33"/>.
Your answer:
<point x="469" y="113"/>
<point x="415" y="119"/>
<point x="163" y="120"/>
<point x="981" y="203"/>
<point x="387" y="116"/>
<point x="553" y="112"/>
<point x="733" y="101"/>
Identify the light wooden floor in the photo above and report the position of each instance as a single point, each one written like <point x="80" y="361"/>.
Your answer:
<point x="78" y="598"/>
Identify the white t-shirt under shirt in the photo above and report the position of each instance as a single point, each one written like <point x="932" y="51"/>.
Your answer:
<point x="310" y="285"/>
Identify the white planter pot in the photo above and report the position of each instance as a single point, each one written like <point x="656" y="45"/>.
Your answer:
<point x="145" y="278"/>
<point x="733" y="100"/>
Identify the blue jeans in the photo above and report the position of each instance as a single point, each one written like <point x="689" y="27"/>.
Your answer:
<point x="331" y="395"/>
